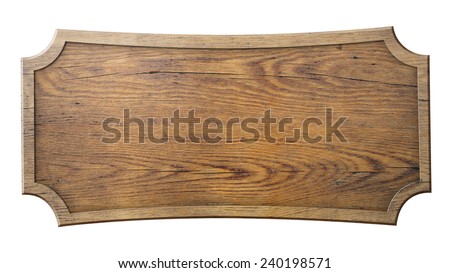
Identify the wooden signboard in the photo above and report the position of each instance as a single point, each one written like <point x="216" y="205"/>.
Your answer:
<point x="327" y="126"/>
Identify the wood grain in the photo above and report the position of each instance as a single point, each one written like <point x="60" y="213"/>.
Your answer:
<point x="364" y="75"/>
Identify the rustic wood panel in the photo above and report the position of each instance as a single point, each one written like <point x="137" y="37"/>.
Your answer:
<point x="365" y="76"/>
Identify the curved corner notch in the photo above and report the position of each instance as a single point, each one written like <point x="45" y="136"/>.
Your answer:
<point x="48" y="55"/>
<point x="405" y="194"/>
<point x="402" y="53"/>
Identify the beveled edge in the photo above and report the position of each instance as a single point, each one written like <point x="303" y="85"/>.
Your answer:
<point x="65" y="217"/>
<point x="422" y="63"/>
<point x="29" y="185"/>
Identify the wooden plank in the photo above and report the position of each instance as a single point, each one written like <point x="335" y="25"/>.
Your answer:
<point x="348" y="114"/>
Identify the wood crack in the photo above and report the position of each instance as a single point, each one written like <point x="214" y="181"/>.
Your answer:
<point x="244" y="76"/>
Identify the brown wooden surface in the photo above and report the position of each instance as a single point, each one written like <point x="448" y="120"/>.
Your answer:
<point x="366" y="75"/>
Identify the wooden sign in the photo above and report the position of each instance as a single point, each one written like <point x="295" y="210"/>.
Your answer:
<point x="328" y="126"/>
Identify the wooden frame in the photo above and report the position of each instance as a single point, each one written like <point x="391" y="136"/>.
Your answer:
<point x="65" y="217"/>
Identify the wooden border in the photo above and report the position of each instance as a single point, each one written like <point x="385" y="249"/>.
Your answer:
<point x="29" y="65"/>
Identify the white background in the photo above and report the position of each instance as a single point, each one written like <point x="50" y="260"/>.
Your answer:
<point x="30" y="240"/>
